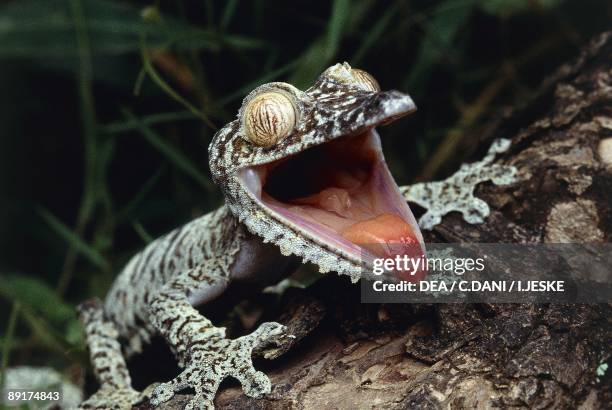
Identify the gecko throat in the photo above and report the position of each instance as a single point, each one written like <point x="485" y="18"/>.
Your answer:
<point x="342" y="194"/>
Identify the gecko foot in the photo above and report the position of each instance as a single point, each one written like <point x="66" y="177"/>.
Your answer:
<point x="212" y="360"/>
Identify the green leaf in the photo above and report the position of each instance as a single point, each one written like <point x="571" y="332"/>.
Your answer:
<point x="163" y="117"/>
<point x="335" y="29"/>
<point x="45" y="28"/>
<point x="75" y="241"/>
<point x="161" y="83"/>
<point x="228" y="13"/>
<point x="318" y="56"/>
<point x="375" y="33"/>
<point x="440" y="31"/>
<point x="504" y="8"/>
<point x="142" y="232"/>
<point x="51" y="319"/>
<point x="127" y="210"/>
<point x="49" y="336"/>
<point x="35" y="294"/>
<point x="74" y="333"/>
<point x="175" y="156"/>
<point x="363" y="10"/>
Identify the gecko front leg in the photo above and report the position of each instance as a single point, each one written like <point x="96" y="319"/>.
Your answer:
<point x="202" y="349"/>
<point x="456" y="193"/>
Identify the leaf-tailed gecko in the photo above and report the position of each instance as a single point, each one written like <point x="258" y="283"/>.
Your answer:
<point x="304" y="180"/>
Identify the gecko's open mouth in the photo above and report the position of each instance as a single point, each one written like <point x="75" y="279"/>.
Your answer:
<point x="342" y="195"/>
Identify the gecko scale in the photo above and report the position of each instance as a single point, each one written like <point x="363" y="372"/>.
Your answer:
<point x="304" y="179"/>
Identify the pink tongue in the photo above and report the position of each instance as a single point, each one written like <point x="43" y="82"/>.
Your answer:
<point x="383" y="232"/>
<point x="335" y="200"/>
<point x="387" y="236"/>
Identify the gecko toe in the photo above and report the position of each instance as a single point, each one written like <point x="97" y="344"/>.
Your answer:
<point x="164" y="391"/>
<point x="200" y="401"/>
<point x="267" y="333"/>
<point x="255" y="384"/>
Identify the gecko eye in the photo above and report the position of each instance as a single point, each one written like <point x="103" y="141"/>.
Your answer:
<point x="365" y="80"/>
<point x="268" y="118"/>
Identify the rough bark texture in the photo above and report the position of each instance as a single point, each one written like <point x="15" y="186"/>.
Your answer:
<point x="477" y="356"/>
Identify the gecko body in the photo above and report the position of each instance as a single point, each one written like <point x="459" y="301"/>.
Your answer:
<point x="304" y="180"/>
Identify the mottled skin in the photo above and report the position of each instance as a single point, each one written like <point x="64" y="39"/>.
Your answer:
<point x="242" y="241"/>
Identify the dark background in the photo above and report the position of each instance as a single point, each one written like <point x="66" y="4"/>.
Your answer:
<point x="98" y="154"/>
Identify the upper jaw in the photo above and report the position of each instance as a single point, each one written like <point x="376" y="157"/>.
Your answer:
<point x="326" y="117"/>
<point x="344" y="114"/>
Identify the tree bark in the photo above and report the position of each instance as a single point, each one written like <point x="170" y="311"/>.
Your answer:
<point x="477" y="356"/>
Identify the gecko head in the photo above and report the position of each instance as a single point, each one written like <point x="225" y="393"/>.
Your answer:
<point x="305" y="170"/>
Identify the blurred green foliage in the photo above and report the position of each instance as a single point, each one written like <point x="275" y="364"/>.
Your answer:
<point x="108" y="106"/>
